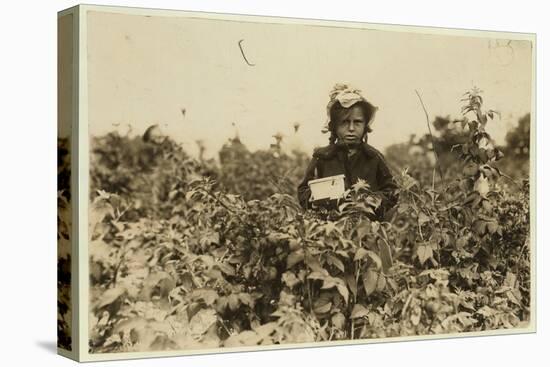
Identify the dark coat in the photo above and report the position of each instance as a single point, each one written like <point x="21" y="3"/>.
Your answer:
<point x="367" y="164"/>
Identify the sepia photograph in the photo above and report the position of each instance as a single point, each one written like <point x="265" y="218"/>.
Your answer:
<point x="264" y="182"/>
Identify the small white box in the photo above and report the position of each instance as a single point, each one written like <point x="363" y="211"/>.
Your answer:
<point x="331" y="187"/>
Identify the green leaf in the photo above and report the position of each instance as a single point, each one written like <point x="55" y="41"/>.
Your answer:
<point x="343" y="206"/>
<point x="352" y="283"/>
<point x="375" y="258"/>
<point x="243" y="339"/>
<point x="209" y="296"/>
<point x="381" y="283"/>
<point x="486" y="311"/>
<point x="100" y="251"/>
<point x="362" y="229"/>
<point x="360" y="254"/>
<point x="265" y="330"/>
<point x="370" y="281"/>
<point x="338" y="320"/>
<point x="333" y="260"/>
<point x="226" y="268"/>
<point x="416" y="312"/>
<point x="314" y="264"/>
<point x="331" y="227"/>
<point x="214" y="274"/>
<point x="374" y="201"/>
<point x="343" y="253"/>
<point x="110" y="297"/>
<point x="514" y="296"/>
<point x="137" y="324"/>
<point x="276" y="236"/>
<point x="424" y="252"/>
<point x="293" y="244"/>
<point x="233" y="301"/>
<point x="221" y="304"/>
<point x="482" y="185"/>
<point x="471" y="169"/>
<point x="290" y="279"/>
<point x="422" y="218"/>
<point x="323" y="308"/>
<point x="331" y="282"/>
<point x="487" y="205"/>
<point x="492" y="227"/>
<point x="209" y="238"/>
<point x="202" y="321"/>
<point x="343" y="290"/>
<point x="99" y="212"/>
<point x="294" y="258"/>
<point x="480" y="227"/>
<point x="510" y="280"/>
<point x="315" y="275"/>
<point x="403" y="207"/>
<point x="393" y="284"/>
<point x="246" y="299"/>
<point x="189" y="194"/>
<point x="160" y="280"/>
<point x="359" y="311"/>
<point x="385" y="256"/>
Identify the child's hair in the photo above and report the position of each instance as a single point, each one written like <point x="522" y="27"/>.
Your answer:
<point x="337" y="109"/>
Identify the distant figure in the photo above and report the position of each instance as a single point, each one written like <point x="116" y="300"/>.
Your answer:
<point x="154" y="135"/>
<point x="350" y="117"/>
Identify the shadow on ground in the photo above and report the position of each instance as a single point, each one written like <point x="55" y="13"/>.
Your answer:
<point x="48" y="345"/>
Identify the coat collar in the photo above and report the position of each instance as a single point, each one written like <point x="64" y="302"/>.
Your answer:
<point x="331" y="150"/>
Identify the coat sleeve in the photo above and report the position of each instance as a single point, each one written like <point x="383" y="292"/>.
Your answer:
<point x="304" y="192"/>
<point x="388" y="188"/>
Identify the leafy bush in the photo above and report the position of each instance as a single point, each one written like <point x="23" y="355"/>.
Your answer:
<point x="63" y="244"/>
<point x="182" y="260"/>
<point x="267" y="172"/>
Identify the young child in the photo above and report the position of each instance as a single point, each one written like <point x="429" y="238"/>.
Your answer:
<point x="350" y="117"/>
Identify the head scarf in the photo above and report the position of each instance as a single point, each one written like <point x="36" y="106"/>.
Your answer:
<point x="347" y="96"/>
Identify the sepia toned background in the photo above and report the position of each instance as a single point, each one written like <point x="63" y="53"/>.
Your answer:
<point x="145" y="70"/>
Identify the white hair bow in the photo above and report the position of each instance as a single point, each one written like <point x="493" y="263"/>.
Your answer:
<point x="347" y="96"/>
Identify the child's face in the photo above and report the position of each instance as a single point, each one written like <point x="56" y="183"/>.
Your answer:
<point x="350" y="125"/>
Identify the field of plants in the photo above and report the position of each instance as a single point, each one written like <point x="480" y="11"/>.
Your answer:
<point x="192" y="253"/>
<point x="64" y="213"/>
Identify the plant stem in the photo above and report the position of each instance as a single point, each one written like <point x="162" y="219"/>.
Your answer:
<point x="431" y="137"/>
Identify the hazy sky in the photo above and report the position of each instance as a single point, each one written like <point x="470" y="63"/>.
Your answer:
<point x="144" y="70"/>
